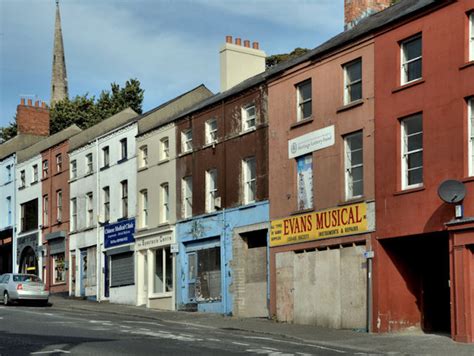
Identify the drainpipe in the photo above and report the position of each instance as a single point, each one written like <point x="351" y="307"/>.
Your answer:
<point x="97" y="206"/>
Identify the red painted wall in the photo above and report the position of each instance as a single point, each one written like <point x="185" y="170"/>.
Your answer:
<point x="447" y="79"/>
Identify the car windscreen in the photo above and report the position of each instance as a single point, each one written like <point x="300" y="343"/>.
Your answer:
<point x="25" y="278"/>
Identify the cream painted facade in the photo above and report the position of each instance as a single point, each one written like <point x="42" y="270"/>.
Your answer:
<point x="156" y="221"/>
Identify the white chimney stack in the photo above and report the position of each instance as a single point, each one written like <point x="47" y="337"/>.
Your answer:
<point x="240" y="62"/>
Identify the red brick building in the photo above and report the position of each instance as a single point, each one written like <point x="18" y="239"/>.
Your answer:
<point x="55" y="175"/>
<point x="424" y="85"/>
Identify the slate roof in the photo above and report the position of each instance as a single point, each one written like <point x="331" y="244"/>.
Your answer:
<point x="18" y="143"/>
<point x="124" y="117"/>
<point x="160" y="115"/>
<point x="47" y="142"/>
<point x="400" y="11"/>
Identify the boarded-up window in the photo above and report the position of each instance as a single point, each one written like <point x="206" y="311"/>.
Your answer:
<point x="121" y="269"/>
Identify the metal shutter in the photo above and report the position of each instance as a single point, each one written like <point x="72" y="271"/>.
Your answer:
<point x="122" y="270"/>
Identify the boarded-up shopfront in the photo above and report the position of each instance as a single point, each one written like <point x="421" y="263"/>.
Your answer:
<point x="319" y="270"/>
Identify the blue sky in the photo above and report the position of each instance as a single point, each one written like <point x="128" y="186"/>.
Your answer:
<point x="171" y="46"/>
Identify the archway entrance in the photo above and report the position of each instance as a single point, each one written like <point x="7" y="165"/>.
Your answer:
<point x="28" y="261"/>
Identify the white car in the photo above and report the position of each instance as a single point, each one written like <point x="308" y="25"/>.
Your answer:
<point x="16" y="287"/>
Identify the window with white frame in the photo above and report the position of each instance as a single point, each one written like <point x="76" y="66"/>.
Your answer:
<point x="471" y="36"/>
<point x="165" y="203"/>
<point x="106" y="200"/>
<point x="123" y="149"/>
<point x="211" y="190"/>
<point x="353" y="81"/>
<point x="45" y="210"/>
<point x="89" y="163"/>
<point x="470" y="117"/>
<point x="45" y="168"/>
<point x="73" y="214"/>
<point x="89" y="209"/>
<point x="412" y="151"/>
<point x="411" y="59"/>
<point x="73" y="169"/>
<point x="211" y="130"/>
<point x="59" y="162"/>
<point x="105" y="157"/>
<point x="303" y="100"/>
<point x="124" y="190"/>
<point x="164" y="148"/>
<point x="143" y="156"/>
<point x="59" y="205"/>
<point x="35" y="173"/>
<point x="144" y="207"/>
<point x="59" y="268"/>
<point x="22" y="179"/>
<point x="354" y="165"/>
<point x="249" y="177"/>
<point x="187" y="196"/>
<point x="249" y="117"/>
<point x="163" y="271"/>
<point x="186" y="140"/>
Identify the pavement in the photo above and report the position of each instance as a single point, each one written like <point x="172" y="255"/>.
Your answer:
<point x="412" y="342"/>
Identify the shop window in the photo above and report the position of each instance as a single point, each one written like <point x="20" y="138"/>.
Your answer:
<point x="304" y="182"/>
<point x="59" y="268"/>
<point x="204" y="275"/>
<point x="163" y="271"/>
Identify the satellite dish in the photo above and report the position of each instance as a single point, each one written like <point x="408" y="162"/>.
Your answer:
<point x="452" y="191"/>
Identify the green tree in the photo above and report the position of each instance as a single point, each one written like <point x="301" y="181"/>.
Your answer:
<point x="85" y="111"/>
<point x="278" y="58"/>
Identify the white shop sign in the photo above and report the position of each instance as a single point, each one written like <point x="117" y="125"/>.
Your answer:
<point x="310" y="142"/>
<point x="152" y="242"/>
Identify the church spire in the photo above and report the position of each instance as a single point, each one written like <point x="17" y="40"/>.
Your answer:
<point x="59" y="88"/>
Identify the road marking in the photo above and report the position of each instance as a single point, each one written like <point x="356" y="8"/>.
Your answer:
<point x="215" y="340"/>
<point x="240" y="343"/>
<point x="50" y="352"/>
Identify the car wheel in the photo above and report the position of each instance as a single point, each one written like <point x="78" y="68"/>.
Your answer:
<point x="6" y="299"/>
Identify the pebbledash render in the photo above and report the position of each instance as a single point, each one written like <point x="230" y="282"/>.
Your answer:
<point x="156" y="199"/>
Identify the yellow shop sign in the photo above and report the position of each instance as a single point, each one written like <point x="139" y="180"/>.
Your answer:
<point x="343" y="221"/>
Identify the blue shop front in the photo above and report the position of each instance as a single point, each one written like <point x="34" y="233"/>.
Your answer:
<point x="222" y="264"/>
<point x="119" y="262"/>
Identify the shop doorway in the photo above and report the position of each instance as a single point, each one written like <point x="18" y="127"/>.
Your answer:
<point x="420" y="280"/>
<point x="28" y="261"/>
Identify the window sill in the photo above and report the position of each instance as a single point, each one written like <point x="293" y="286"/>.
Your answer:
<point x="163" y="161"/>
<point x="22" y="187"/>
<point x="160" y="295"/>
<point x="351" y="105"/>
<point x="303" y="211"/>
<point x="467" y="179"/>
<point x="408" y="85"/>
<point x="409" y="190"/>
<point x="141" y="169"/>
<point x="57" y="173"/>
<point x="44" y="178"/>
<point x="251" y="129"/>
<point x="301" y="122"/>
<point x="210" y="144"/>
<point x="352" y="201"/>
<point x="120" y="161"/>
<point x="103" y="168"/>
<point x="248" y="205"/>
<point x="162" y="224"/>
<point x="88" y="174"/>
<point x="33" y="183"/>
<point x="182" y="154"/>
<point x="467" y="65"/>
<point x="72" y="180"/>
<point x="59" y="283"/>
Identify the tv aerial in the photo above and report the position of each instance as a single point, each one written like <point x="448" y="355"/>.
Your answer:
<point x="453" y="192"/>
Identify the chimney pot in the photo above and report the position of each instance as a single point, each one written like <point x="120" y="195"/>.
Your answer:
<point x="43" y="104"/>
<point x="246" y="43"/>
<point x="30" y="102"/>
<point x="238" y="41"/>
<point x="37" y="103"/>
<point x="255" y="45"/>
<point x="22" y="101"/>
<point x="228" y="39"/>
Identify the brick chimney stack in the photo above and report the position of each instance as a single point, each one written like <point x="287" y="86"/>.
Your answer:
<point x="356" y="10"/>
<point x="32" y="119"/>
